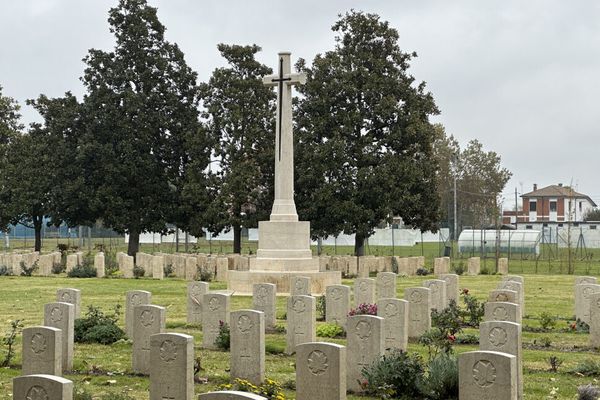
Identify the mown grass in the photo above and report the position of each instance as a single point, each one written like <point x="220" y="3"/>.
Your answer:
<point x="100" y="369"/>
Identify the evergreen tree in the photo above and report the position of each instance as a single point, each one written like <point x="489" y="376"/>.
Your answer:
<point x="141" y="112"/>
<point x="364" y="147"/>
<point x="239" y="113"/>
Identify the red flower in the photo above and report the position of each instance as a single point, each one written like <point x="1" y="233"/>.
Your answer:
<point x="451" y="338"/>
<point x="465" y="291"/>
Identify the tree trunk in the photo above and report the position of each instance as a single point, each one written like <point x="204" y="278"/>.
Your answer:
<point x="359" y="245"/>
<point x="37" y="226"/>
<point x="237" y="239"/>
<point x="134" y="243"/>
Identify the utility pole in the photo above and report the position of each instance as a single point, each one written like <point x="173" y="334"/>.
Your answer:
<point x="454" y="173"/>
<point x="516" y="211"/>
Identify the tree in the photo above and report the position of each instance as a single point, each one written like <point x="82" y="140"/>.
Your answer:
<point x="141" y="112"/>
<point x="364" y="136"/>
<point x="10" y="127"/>
<point x="592" y="215"/>
<point x="480" y="180"/>
<point x="239" y="113"/>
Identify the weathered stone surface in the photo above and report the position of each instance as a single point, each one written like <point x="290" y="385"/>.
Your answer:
<point x="452" y="287"/>
<point x="395" y="315"/>
<point x="583" y="295"/>
<point x="503" y="266"/>
<point x="441" y="265"/>
<point x="364" y="291"/>
<point x="42" y="387"/>
<point x="595" y="319"/>
<point x="513" y="283"/>
<point x="215" y="309"/>
<point x="191" y="268"/>
<point x="301" y="313"/>
<point x="126" y="266"/>
<point x="247" y="355"/>
<point x="337" y="304"/>
<point x="487" y="375"/>
<point x="71" y="296"/>
<point x="222" y="269"/>
<point x="579" y="280"/>
<point x="72" y="262"/>
<point x="230" y="395"/>
<point x="42" y="351"/>
<point x="365" y="345"/>
<point x="504" y="295"/>
<point x="45" y="264"/>
<point x="386" y="285"/>
<point x="300" y="286"/>
<point x="502" y="311"/>
<point x="504" y="337"/>
<point x="100" y="265"/>
<point x="171" y="366"/>
<point x="148" y="320"/>
<point x="62" y="316"/>
<point x="195" y="294"/>
<point x="438" y="293"/>
<point x="474" y="266"/>
<point x="134" y="298"/>
<point x="158" y="267"/>
<point x="320" y="371"/>
<point x="264" y="299"/>
<point x="419" y="311"/>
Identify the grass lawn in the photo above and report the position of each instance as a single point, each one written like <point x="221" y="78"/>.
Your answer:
<point x="100" y="369"/>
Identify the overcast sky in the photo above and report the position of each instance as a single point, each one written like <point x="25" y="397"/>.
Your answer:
<point x="523" y="77"/>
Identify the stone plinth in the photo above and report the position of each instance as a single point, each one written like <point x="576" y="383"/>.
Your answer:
<point x="241" y="282"/>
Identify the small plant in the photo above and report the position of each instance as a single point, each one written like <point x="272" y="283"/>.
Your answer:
<point x="579" y="326"/>
<point x="422" y="271"/>
<point x="82" y="271"/>
<point x="138" y="272"/>
<point x="204" y="275"/>
<point x="270" y="389"/>
<point x="441" y="382"/>
<point x="111" y="266"/>
<point x="474" y="309"/>
<point x="588" y="392"/>
<point x="81" y="394"/>
<point x="97" y="327"/>
<point x="554" y="362"/>
<point x="5" y="271"/>
<point x="330" y="331"/>
<point x="223" y="340"/>
<point x="9" y="341"/>
<point x="547" y="321"/>
<point x="58" y="268"/>
<point x="279" y="327"/>
<point x="485" y="271"/>
<point x="197" y="368"/>
<point x="321" y="308"/>
<point x="467" y="338"/>
<point x="364" y="309"/>
<point x="168" y="271"/>
<point x="459" y="268"/>
<point x="543" y="342"/>
<point x="28" y="271"/>
<point x="394" y="265"/>
<point x="587" y="367"/>
<point x="393" y="375"/>
<point x="63" y="248"/>
<point x="116" y="396"/>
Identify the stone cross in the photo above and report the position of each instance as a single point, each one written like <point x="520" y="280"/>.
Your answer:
<point x="284" y="208"/>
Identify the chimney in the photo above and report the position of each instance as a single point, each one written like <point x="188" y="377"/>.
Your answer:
<point x="534" y="187"/>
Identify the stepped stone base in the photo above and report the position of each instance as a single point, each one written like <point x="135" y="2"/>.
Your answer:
<point x="240" y="282"/>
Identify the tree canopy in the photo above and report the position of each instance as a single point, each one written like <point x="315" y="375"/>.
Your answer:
<point x="364" y="137"/>
<point x="239" y="119"/>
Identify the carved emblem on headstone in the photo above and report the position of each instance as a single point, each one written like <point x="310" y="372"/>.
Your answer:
<point x="336" y="293"/>
<point x="363" y="286"/>
<point x="498" y="336"/>
<point x="416" y="297"/>
<point x="484" y="373"/>
<point x="317" y="362"/>
<point x="299" y="306"/>
<point x="147" y="318"/>
<point x="36" y="393"/>
<point x="244" y="323"/>
<point x="66" y="297"/>
<point x="38" y="343"/>
<point x="500" y="313"/>
<point x="213" y="304"/>
<point x="56" y="315"/>
<point x="587" y="292"/>
<point x="391" y="310"/>
<point x="261" y="296"/>
<point x="168" y="351"/>
<point x="135" y="299"/>
<point x="363" y="329"/>
<point x="501" y="297"/>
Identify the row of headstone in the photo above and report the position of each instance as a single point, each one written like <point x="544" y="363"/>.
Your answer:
<point x="364" y="265"/>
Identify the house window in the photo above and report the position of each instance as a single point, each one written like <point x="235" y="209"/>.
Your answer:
<point x="532" y="206"/>
<point x="592" y="226"/>
<point x="544" y="224"/>
<point x="553" y="206"/>
<point x="580" y="206"/>
<point x="560" y="225"/>
<point x="528" y="226"/>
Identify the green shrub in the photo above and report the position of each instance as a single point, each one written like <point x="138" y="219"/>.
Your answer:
<point x="9" y="340"/>
<point x="393" y="375"/>
<point x="394" y="265"/>
<point x="5" y="271"/>
<point x="110" y="263"/>
<point x="422" y="271"/>
<point x="223" y="340"/>
<point x="82" y="271"/>
<point x="204" y="275"/>
<point x="330" y="331"/>
<point x="588" y="392"/>
<point x="279" y="327"/>
<point x="459" y="268"/>
<point x="467" y="338"/>
<point x="442" y="378"/>
<point x="321" y="308"/>
<point x="474" y="309"/>
<point x="97" y="327"/>
<point x="269" y="389"/>
<point x="547" y="321"/>
<point x="28" y="271"/>
<point x="138" y="272"/>
<point x="587" y="367"/>
<point x="58" y="268"/>
<point x="554" y="362"/>
<point x="168" y="271"/>
<point x="116" y="396"/>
